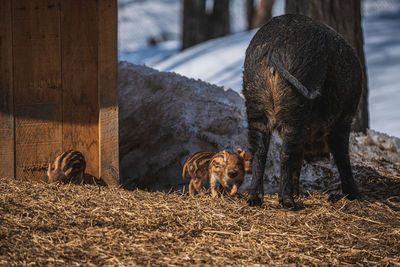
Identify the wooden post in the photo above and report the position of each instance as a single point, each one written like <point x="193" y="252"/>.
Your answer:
<point x="108" y="66"/>
<point x="37" y="86"/>
<point x="58" y="77"/>
<point x="6" y="93"/>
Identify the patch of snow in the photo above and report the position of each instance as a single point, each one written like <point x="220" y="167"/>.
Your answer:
<point x="219" y="61"/>
<point x="373" y="7"/>
<point x="140" y="20"/>
<point x="319" y="176"/>
<point x="323" y="175"/>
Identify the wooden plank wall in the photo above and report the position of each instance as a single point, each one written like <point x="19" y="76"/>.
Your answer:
<point x="6" y="93"/>
<point x="58" y="78"/>
<point x="80" y="88"/>
<point x="108" y="52"/>
<point x="37" y="85"/>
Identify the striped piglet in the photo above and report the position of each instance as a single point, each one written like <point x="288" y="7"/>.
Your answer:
<point x="69" y="167"/>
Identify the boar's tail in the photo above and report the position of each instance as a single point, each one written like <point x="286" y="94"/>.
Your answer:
<point x="276" y="63"/>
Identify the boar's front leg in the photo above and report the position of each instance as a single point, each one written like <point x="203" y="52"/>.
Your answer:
<point x="259" y="141"/>
<point x="339" y="147"/>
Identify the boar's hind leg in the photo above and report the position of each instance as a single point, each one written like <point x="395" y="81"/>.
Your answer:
<point x="339" y="146"/>
<point x="259" y="141"/>
<point x="291" y="159"/>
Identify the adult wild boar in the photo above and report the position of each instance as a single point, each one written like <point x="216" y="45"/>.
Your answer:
<point x="302" y="80"/>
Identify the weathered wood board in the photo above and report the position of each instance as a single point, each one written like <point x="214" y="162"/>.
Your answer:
<point x="58" y="85"/>
<point x="108" y="51"/>
<point x="80" y="95"/>
<point x="6" y="93"/>
<point x="37" y="86"/>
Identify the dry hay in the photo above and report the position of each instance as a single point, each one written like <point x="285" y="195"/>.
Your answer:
<point x="92" y="225"/>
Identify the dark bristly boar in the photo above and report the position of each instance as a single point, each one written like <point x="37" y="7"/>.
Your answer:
<point x="302" y="80"/>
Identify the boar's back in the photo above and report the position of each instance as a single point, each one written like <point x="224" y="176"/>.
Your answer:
<point x="298" y="48"/>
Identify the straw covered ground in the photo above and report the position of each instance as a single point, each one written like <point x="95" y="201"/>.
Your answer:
<point x="94" y="225"/>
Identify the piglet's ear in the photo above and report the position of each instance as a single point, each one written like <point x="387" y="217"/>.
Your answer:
<point x="49" y="170"/>
<point x="67" y="172"/>
<point x="241" y="153"/>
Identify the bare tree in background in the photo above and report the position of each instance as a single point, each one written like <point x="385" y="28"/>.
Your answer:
<point x="200" y="26"/>
<point x="194" y="22"/>
<point x="260" y="14"/>
<point x="345" y="17"/>
<point x="263" y="13"/>
<point x="219" y="22"/>
<point x="249" y="13"/>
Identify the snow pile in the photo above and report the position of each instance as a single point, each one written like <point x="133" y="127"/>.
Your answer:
<point x="323" y="175"/>
<point x="165" y="118"/>
<point x="319" y="176"/>
<point x="376" y="146"/>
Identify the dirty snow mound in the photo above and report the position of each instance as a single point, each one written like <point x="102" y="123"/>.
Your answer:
<point x="165" y="118"/>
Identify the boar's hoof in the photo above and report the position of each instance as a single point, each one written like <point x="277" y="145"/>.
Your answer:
<point x="350" y="190"/>
<point x="254" y="200"/>
<point x="352" y="195"/>
<point x="287" y="202"/>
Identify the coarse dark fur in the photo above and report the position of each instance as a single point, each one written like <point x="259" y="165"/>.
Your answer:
<point x="304" y="81"/>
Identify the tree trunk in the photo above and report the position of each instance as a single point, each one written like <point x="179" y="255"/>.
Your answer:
<point x="345" y="17"/>
<point x="198" y="26"/>
<point x="249" y="13"/>
<point x="263" y="13"/>
<point x="219" y="22"/>
<point x="194" y="22"/>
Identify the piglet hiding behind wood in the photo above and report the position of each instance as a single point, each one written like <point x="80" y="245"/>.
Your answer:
<point x="69" y="167"/>
<point x="302" y="80"/>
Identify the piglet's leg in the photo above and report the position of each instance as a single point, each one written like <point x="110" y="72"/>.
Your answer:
<point x="213" y="185"/>
<point x="191" y="187"/>
<point x="234" y="190"/>
<point x="197" y="185"/>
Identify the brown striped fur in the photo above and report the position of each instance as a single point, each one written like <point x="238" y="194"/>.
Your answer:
<point x="247" y="159"/>
<point x="198" y="168"/>
<point x="68" y="167"/>
<point x="226" y="169"/>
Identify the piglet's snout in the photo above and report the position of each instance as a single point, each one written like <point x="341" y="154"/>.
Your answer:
<point x="232" y="173"/>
